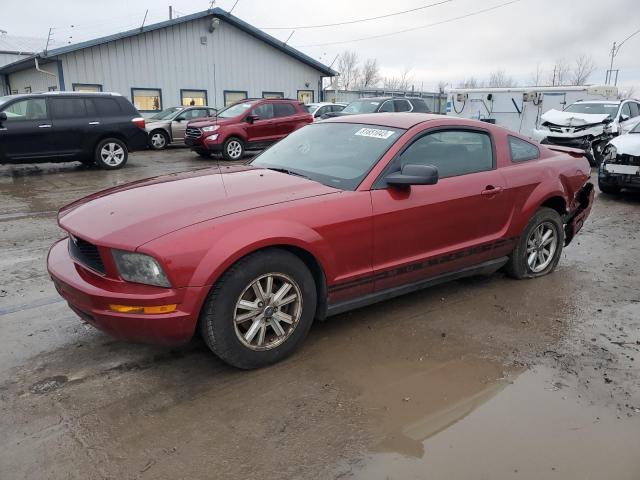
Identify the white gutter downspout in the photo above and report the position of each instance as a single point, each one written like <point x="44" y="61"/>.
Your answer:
<point x="43" y="71"/>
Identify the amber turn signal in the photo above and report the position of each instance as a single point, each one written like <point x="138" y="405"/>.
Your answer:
<point x="146" y="310"/>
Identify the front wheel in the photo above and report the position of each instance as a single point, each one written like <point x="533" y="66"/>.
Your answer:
<point x="233" y="149"/>
<point x="260" y="310"/>
<point x="158" y="140"/>
<point x="539" y="247"/>
<point x="111" y="154"/>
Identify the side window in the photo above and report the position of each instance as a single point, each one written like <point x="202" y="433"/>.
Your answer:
<point x="107" y="107"/>
<point x="635" y="111"/>
<point x="283" y="109"/>
<point x="264" y="111"/>
<point x="625" y="110"/>
<point x="386" y="107"/>
<point x="337" y="108"/>
<point x="199" y="113"/>
<point x="66" y="108"/>
<point x="321" y="111"/>
<point x="521" y="150"/>
<point x="30" y="109"/>
<point x="401" y="105"/>
<point x="452" y="152"/>
<point x="420" y="106"/>
<point x="91" y="109"/>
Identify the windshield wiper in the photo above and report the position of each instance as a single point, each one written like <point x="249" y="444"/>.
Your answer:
<point x="288" y="172"/>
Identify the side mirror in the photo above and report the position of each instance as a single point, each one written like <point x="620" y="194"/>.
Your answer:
<point x="413" y="175"/>
<point x="3" y="117"/>
<point x="624" y="118"/>
<point x="252" y="118"/>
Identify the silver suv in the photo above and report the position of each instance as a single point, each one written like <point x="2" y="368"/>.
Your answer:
<point x="169" y="125"/>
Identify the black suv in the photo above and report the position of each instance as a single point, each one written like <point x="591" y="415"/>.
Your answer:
<point x="90" y="128"/>
<point x="382" y="104"/>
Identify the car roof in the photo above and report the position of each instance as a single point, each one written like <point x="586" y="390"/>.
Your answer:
<point x="393" y="120"/>
<point x="64" y="94"/>
<point x="599" y="101"/>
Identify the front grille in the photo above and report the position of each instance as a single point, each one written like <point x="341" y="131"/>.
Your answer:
<point x="193" y="132"/>
<point x="559" y="129"/>
<point x="86" y="253"/>
<point x="627" y="159"/>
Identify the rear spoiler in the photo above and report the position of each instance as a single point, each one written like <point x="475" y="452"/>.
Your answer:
<point x="574" y="152"/>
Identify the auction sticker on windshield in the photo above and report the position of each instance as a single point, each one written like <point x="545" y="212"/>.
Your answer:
<point x="374" y="133"/>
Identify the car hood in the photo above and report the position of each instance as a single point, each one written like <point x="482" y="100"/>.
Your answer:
<point x="572" y="119"/>
<point x="130" y="215"/>
<point x="213" y="121"/>
<point x="628" y="144"/>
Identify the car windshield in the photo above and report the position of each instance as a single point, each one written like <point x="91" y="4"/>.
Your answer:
<point x="594" y="108"/>
<point x="235" y="110"/>
<point x="167" y="113"/>
<point x="335" y="154"/>
<point x="362" y="106"/>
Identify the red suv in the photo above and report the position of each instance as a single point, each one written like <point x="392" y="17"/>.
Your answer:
<point x="250" y="124"/>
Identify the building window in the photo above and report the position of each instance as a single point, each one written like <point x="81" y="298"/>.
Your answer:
<point x="305" y="96"/>
<point x="87" y="87"/>
<point x="233" y="96"/>
<point x="272" y="94"/>
<point x="193" y="98"/>
<point x="147" y="99"/>
<point x="27" y="89"/>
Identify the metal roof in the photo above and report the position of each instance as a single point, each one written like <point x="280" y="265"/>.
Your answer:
<point x="21" y="45"/>
<point x="214" y="12"/>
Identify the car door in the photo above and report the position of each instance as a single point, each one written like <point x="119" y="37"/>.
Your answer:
<point x="179" y="124"/>
<point x="627" y="122"/>
<point x="71" y="124"/>
<point x="428" y="230"/>
<point x="27" y="131"/>
<point x="285" y="119"/>
<point x="402" y="105"/>
<point x="634" y="117"/>
<point x="386" y="106"/>
<point x="261" y="129"/>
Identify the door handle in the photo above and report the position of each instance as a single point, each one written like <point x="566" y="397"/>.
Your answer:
<point x="94" y="123"/>
<point x="490" y="190"/>
<point x="46" y="125"/>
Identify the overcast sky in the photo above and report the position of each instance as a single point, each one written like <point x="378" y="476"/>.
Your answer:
<point x="514" y="38"/>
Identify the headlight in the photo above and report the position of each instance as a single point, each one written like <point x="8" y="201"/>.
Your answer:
<point x="612" y="152"/>
<point x="211" y="128"/>
<point x="543" y="127"/>
<point x="140" y="268"/>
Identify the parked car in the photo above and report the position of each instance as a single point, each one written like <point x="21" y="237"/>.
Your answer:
<point x="100" y="128"/>
<point x="588" y="125"/>
<point x="248" y="125"/>
<point x="338" y="215"/>
<point x="168" y="126"/>
<point x="382" y="104"/>
<point x="319" y="109"/>
<point x="621" y="165"/>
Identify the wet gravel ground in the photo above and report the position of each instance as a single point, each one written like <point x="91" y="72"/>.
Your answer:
<point x="483" y="378"/>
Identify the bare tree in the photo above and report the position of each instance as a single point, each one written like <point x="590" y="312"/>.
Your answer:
<point x="441" y="86"/>
<point x="399" y="83"/>
<point x="499" y="78"/>
<point x="349" y="71"/>
<point x="536" y="76"/>
<point x="370" y="75"/>
<point x="582" y="70"/>
<point x="471" y="82"/>
<point x="628" y="92"/>
<point x="560" y="73"/>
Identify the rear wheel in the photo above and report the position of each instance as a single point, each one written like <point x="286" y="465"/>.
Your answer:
<point x="260" y="310"/>
<point x="233" y="149"/>
<point x="111" y="154"/>
<point x="608" y="189"/>
<point x="158" y="139"/>
<point x="538" y="250"/>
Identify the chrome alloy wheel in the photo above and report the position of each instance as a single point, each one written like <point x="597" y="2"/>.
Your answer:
<point x="158" y="140"/>
<point x="234" y="149"/>
<point x="541" y="247"/>
<point x="268" y="311"/>
<point x="112" y="154"/>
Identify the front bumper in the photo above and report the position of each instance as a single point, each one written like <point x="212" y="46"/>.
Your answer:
<point x="576" y="219"/>
<point x="619" y="180"/>
<point x="212" y="143"/>
<point x="89" y="295"/>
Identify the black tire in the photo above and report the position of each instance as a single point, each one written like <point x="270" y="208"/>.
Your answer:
<point x="233" y="149"/>
<point x="217" y="323"/>
<point x="161" y="142"/>
<point x="206" y="155"/>
<point x="102" y="158"/>
<point x="518" y="266"/>
<point x="609" y="189"/>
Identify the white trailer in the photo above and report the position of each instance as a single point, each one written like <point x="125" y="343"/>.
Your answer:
<point x="519" y="108"/>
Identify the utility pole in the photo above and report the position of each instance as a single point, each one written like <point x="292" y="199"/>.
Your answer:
<point x="49" y="36"/>
<point x="553" y="82"/>
<point x="170" y="12"/>
<point x="614" y="51"/>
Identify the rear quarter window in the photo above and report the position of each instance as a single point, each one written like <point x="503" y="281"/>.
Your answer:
<point x="420" y="106"/>
<point x="107" y="107"/>
<point x="521" y="150"/>
<point x="283" y="109"/>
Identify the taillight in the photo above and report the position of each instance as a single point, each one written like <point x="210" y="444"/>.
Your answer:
<point x="139" y="121"/>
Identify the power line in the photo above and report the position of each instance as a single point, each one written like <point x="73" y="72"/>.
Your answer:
<point x="350" y="22"/>
<point x="471" y="14"/>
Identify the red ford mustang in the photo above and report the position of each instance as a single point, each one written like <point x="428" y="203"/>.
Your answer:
<point x="339" y="214"/>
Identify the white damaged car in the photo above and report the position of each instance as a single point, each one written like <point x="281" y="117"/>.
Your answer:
<point x="621" y="165"/>
<point x="588" y="125"/>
